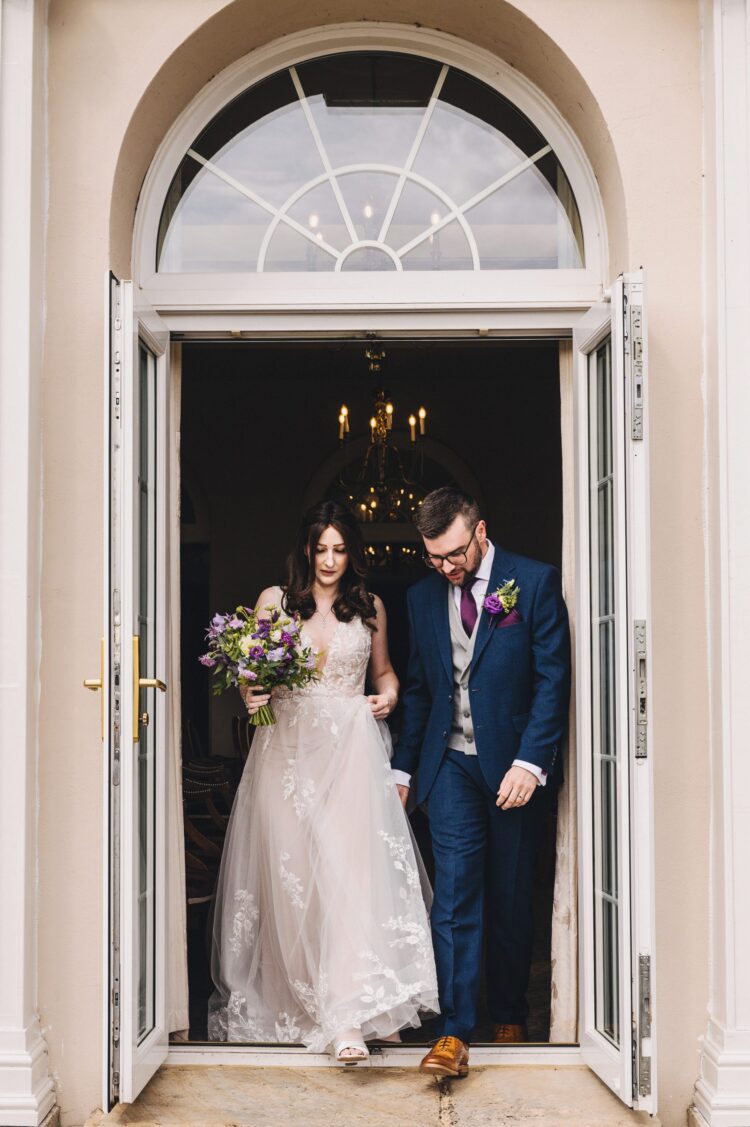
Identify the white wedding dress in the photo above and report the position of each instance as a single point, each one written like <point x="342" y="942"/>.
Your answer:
<point x="320" y="923"/>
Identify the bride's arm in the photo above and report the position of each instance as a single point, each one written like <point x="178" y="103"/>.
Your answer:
<point x="267" y="599"/>
<point x="253" y="698"/>
<point x="381" y="673"/>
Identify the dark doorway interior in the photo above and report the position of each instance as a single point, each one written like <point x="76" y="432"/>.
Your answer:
<point x="259" y="427"/>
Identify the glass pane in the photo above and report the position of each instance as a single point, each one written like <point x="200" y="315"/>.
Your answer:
<point x="604" y="412"/>
<point x="217" y="228"/>
<point x="368" y="195"/>
<point x="522" y="226"/>
<point x="609" y="1010"/>
<point x="606" y="543"/>
<point x="146" y="798"/>
<point x="446" y="249"/>
<point x="319" y="213"/>
<point x="368" y="107"/>
<point x="275" y="153"/>
<point x="368" y="258"/>
<point x="605" y="750"/>
<point x="289" y="250"/>
<point x="373" y="119"/>
<point x="416" y="211"/>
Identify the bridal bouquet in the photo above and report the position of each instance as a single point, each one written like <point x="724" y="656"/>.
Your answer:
<point x="246" y="648"/>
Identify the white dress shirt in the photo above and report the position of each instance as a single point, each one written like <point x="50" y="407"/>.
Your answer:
<point x="479" y="590"/>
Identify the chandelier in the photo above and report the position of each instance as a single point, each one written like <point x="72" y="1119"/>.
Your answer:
<point x="387" y="484"/>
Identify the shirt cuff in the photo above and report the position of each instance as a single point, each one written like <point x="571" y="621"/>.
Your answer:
<point x="541" y="775"/>
<point x="401" y="778"/>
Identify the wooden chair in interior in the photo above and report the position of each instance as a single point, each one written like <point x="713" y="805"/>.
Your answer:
<point x="242" y="736"/>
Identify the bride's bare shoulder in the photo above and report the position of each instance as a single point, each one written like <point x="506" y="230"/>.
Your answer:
<point x="269" y="597"/>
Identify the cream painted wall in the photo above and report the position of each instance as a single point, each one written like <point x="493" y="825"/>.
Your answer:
<point x="627" y="77"/>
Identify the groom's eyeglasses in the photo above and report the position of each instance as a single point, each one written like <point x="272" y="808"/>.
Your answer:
<point x="455" y="559"/>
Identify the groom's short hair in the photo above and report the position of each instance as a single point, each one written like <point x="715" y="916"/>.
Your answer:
<point x="441" y="507"/>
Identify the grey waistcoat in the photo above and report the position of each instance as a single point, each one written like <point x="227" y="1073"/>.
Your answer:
<point x="462" y="647"/>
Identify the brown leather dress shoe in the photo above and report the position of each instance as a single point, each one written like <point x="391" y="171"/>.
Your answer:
<point x="510" y="1034"/>
<point x="449" y="1056"/>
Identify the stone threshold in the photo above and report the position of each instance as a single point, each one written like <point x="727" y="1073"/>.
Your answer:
<point x="245" y="1096"/>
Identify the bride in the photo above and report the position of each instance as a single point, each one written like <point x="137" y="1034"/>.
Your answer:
<point x="320" y="931"/>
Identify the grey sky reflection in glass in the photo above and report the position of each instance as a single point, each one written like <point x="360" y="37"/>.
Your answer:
<point x="369" y="162"/>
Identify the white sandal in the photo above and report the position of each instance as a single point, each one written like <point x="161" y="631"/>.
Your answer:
<point x="357" y="1043"/>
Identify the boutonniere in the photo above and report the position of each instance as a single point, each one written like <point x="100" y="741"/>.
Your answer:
<point x="502" y="602"/>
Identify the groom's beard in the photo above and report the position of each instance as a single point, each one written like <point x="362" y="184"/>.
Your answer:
<point x="460" y="577"/>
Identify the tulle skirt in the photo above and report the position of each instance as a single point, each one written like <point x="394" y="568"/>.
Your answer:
<point x="321" y="921"/>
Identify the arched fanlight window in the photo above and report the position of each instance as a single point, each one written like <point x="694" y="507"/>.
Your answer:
<point x="369" y="161"/>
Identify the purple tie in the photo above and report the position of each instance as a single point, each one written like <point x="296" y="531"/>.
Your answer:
<point x="469" y="609"/>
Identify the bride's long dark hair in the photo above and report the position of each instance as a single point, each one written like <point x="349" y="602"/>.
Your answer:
<point x="353" y="598"/>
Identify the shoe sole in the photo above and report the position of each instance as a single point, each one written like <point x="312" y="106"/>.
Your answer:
<point x="441" y="1070"/>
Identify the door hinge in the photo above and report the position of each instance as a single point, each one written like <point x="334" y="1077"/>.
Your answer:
<point x="642" y="1030"/>
<point x="641" y="689"/>
<point x="633" y="336"/>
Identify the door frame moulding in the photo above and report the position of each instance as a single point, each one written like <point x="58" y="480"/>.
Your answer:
<point x="512" y="288"/>
<point x="192" y="327"/>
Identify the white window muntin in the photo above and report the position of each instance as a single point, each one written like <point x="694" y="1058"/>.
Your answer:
<point x="520" y="288"/>
<point x="469" y="182"/>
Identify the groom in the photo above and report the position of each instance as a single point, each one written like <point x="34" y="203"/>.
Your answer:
<point x="485" y="710"/>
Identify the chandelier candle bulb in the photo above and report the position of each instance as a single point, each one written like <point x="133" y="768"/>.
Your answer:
<point x="422" y="417"/>
<point x="345" y="413"/>
<point x="341" y="428"/>
<point x="373" y="424"/>
<point x="413" y="427"/>
<point x="389" y="414"/>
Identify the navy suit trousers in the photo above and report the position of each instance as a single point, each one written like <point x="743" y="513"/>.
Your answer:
<point x="484" y="861"/>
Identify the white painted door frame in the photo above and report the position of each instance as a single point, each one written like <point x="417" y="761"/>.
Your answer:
<point x="332" y="324"/>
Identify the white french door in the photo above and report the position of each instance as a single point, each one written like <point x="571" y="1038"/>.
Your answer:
<point x="613" y="679"/>
<point x="136" y="733"/>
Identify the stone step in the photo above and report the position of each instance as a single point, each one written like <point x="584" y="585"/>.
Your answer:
<point x="491" y="1096"/>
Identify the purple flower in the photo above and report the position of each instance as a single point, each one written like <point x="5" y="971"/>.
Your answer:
<point x="264" y="629"/>
<point x="493" y="605"/>
<point x="256" y="653"/>
<point x="236" y="622"/>
<point x="218" y="622"/>
<point x="277" y="654"/>
<point x="287" y="639"/>
<point x="275" y="616"/>
<point x="206" y="659"/>
<point x="248" y="675"/>
<point x="310" y="662"/>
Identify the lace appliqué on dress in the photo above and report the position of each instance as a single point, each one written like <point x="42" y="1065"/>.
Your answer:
<point x="245" y="919"/>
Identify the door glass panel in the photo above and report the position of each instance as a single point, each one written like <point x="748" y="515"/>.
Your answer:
<point x="605" y="748"/>
<point x="145" y="702"/>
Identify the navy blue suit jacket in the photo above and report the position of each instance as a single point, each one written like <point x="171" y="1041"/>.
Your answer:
<point x="519" y="681"/>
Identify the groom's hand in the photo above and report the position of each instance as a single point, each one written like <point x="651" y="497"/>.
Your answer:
<point x="403" y="794"/>
<point x="516" y="788"/>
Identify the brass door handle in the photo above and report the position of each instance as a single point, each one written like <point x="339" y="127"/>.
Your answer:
<point x="151" y="683"/>
<point x="141" y="683"/>
<point x="96" y="685"/>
